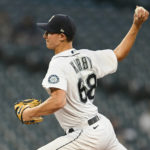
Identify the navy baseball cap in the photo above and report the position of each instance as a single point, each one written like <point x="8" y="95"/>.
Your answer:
<point x="60" y="23"/>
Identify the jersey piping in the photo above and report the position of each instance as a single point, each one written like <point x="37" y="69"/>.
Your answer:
<point x="68" y="56"/>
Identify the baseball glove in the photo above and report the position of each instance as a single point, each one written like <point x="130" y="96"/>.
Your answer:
<point x="24" y="104"/>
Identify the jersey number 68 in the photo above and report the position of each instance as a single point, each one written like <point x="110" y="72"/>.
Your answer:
<point x="86" y="93"/>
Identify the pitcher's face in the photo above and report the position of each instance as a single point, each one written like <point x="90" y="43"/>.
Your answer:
<point x="52" y="40"/>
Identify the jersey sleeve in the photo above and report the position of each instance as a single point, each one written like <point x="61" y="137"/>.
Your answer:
<point x="105" y="62"/>
<point x="55" y="77"/>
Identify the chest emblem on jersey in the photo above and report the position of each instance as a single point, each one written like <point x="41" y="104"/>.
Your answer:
<point x="53" y="79"/>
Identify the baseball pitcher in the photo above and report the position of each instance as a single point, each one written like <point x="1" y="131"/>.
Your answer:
<point x="71" y="81"/>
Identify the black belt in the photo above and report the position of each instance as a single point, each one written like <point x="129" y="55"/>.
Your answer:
<point x="93" y="120"/>
<point x="90" y="122"/>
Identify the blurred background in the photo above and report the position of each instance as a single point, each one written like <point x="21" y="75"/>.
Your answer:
<point x="124" y="97"/>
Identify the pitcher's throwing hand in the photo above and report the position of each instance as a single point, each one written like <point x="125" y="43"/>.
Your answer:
<point x="140" y="15"/>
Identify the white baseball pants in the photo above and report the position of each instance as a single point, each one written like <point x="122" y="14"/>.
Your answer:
<point x="99" y="136"/>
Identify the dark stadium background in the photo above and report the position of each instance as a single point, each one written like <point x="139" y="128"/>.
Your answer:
<point x="124" y="97"/>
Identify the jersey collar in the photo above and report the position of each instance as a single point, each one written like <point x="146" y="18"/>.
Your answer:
<point x="66" y="53"/>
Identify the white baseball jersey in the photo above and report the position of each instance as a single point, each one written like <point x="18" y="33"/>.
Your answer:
<point x="76" y="72"/>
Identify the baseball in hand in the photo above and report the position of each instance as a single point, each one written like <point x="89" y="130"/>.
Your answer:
<point x="140" y="15"/>
<point x="138" y="9"/>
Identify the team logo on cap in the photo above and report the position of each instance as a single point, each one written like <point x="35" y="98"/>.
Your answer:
<point x="51" y="18"/>
<point x="53" y="79"/>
